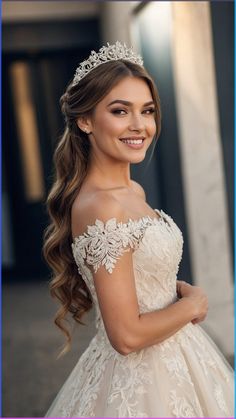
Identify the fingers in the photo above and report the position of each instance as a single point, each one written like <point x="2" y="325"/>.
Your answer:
<point x="182" y="288"/>
<point x="202" y="316"/>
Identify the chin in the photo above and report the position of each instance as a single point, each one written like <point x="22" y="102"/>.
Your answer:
<point x="138" y="158"/>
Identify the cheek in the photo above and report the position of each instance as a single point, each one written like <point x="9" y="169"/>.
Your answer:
<point x="101" y="125"/>
<point x="152" y="126"/>
<point x="111" y="126"/>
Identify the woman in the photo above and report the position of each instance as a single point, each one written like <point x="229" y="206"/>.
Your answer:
<point x="149" y="357"/>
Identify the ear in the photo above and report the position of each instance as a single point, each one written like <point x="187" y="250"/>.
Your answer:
<point x="84" y="123"/>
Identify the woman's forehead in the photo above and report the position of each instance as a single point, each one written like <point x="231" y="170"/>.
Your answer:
<point x="131" y="89"/>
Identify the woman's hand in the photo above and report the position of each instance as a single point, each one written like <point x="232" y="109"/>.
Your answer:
<point x="197" y="296"/>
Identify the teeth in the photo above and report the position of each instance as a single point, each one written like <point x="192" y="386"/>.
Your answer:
<point x="132" y="141"/>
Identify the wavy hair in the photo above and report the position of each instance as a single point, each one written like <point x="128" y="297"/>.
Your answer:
<point x="71" y="161"/>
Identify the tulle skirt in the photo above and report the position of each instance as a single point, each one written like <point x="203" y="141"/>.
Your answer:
<point x="184" y="376"/>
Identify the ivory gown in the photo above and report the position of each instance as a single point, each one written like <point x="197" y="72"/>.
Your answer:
<point x="184" y="376"/>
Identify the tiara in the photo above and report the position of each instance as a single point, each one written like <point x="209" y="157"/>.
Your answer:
<point x="114" y="52"/>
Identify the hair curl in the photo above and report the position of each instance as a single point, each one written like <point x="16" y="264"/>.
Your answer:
<point x="71" y="161"/>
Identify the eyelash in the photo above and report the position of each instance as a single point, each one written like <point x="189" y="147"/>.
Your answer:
<point x="117" y="111"/>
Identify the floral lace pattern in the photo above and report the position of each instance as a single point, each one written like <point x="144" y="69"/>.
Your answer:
<point x="218" y="393"/>
<point x="130" y="384"/>
<point x="105" y="243"/>
<point x="85" y="380"/>
<point x="180" y="407"/>
<point x="163" y="380"/>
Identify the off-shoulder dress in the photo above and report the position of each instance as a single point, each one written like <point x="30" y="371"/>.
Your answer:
<point x="185" y="376"/>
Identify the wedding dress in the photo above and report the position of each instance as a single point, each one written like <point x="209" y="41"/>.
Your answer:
<point x="183" y="376"/>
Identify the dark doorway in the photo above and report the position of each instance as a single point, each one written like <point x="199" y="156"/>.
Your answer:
<point x="35" y="74"/>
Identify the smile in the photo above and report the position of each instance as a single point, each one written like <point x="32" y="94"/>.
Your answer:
<point x="135" y="143"/>
<point x="132" y="141"/>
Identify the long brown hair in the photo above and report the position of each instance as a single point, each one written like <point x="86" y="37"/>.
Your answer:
<point x="71" y="159"/>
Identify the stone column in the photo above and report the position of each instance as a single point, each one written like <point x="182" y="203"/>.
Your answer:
<point x="116" y="20"/>
<point x="202" y="160"/>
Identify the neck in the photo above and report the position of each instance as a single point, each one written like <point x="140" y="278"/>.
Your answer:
<point x="111" y="174"/>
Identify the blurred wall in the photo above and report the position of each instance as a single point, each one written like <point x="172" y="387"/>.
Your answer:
<point x="23" y="11"/>
<point x="202" y="155"/>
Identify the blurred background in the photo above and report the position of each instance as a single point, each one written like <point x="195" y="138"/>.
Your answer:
<point x="188" y="49"/>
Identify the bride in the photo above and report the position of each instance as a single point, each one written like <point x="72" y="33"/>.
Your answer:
<point x="108" y="248"/>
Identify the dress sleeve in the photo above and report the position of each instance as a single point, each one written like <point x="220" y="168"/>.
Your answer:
<point x="104" y="243"/>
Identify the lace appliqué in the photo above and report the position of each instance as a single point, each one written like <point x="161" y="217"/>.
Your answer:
<point x="192" y="333"/>
<point x="218" y="393"/>
<point x="103" y="244"/>
<point x="183" y="404"/>
<point x="177" y="368"/>
<point x="180" y="407"/>
<point x="80" y="398"/>
<point x="207" y="362"/>
<point x="131" y="381"/>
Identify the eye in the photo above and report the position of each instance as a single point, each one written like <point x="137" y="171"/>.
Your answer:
<point x="119" y="111"/>
<point x="149" y="111"/>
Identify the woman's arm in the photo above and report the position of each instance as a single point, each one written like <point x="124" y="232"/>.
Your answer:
<point x="130" y="331"/>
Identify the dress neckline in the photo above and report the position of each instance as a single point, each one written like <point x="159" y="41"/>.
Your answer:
<point x="143" y="218"/>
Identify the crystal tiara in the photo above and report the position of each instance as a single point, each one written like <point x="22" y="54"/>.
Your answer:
<point x="113" y="52"/>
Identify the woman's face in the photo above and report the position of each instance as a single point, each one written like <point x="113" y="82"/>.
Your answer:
<point x="123" y="124"/>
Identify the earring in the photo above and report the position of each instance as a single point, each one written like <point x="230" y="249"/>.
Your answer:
<point x="87" y="131"/>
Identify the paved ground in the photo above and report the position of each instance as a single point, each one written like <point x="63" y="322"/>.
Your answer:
<point x="31" y="374"/>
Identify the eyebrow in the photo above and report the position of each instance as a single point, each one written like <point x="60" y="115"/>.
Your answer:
<point x="125" y="102"/>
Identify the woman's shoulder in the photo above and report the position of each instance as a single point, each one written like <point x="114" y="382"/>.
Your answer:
<point x="99" y="205"/>
<point x="138" y="189"/>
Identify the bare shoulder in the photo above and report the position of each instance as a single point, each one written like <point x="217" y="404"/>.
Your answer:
<point x="139" y="189"/>
<point x="101" y="206"/>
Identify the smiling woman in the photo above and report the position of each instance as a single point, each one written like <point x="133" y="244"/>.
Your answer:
<point x="108" y="247"/>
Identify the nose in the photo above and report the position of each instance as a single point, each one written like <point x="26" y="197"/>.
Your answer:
<point x="136" y="123"/>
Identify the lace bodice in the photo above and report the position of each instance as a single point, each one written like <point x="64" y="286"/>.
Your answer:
<point x="156" y="244"/>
